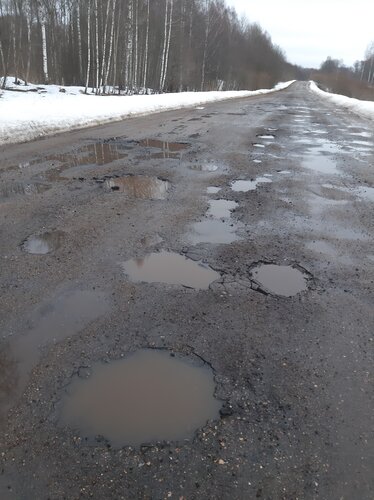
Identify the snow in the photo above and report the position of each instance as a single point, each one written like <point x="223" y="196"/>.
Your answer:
<point x="37" y="111"/>
<point x="362" y="108"/>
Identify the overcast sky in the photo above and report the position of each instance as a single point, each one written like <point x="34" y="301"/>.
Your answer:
<point x="310" y="30"/>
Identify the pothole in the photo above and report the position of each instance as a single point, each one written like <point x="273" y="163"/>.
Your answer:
<point x="285" y="281"/>
<point x="170" y="268"/>
<point x="62" y="316"/>
<point x="147" y="397"/>
<point x="43" y="243"/>
<point x="320" y="163"/>
<point x="266" y="136"/>
<point x="213" y="231"/>
<point x="22" y="188"/>
<point x="139" y="186"/>
<point x="213" y="190"/>
<point x="205" y="167"/>
<point x="221" y="208"/>
<point x="165" y="149"/>
<point x="258" y="145"/>
<point x="248" y="185"/>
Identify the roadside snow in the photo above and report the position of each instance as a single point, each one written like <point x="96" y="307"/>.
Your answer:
<point x="37" y="111"/>
<point x="362" y="108"/>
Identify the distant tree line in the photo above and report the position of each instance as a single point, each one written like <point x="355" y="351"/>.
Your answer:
<point x="131" y="45"/>
<point x="356" y="81"/>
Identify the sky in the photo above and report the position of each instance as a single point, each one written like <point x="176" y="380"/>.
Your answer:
<point x="311" y="30"/>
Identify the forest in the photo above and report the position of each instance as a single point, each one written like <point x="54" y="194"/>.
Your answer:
<point x="132" y="46"/>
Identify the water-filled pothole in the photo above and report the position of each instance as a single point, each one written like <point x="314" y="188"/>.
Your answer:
<point x="139" y="186"/>
<point x="214" y="231"/>
<point x="205" y="167"/>
<point x="164" y="149"/>
<point x="266" y="136"/>
<point x="41" y="244"/>
<point x="149" y="396"/>
<point x="22" y="188"/>
<point x="286" y="281"/>
<point x="170" y="268"/>
<point x="62" y="316"/>
<point x="320" y="163"/>
<point x="213" y="190"/>
<point x="250" y="185"/>
<point x="221" y="208"/>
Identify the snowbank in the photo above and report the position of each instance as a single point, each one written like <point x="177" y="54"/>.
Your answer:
<point x="33" y="112"/>
<point x="362" y="108"/>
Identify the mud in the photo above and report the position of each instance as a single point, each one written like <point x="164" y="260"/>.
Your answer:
<point x="139" y="187"/>
<point x="170" y="268"/>
<point x="145" y="398"/>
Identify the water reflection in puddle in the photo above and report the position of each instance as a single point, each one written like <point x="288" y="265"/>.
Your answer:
<point x="54" y="321"/>
<point x="205" y="167"/>
<point x="164" y="149"/>
<point x="221" y="208"/>
<point x="280" y="280"/>
<point x="22" y="188"/>
<point x="257" y="145"/>
<point x="43" y="243"/>
<point x="147" y="397"/>
<point x="266" y="136"/>
<point x="170" y="268"/>
<point x="140" y="186"/>
<point x="251" y="185"/>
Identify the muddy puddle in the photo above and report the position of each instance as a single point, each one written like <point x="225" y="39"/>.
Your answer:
<point x="286" y="281"/>
<point x="205" y="167"/>
<point x="147" y="397"/>
<point x="139" y="186"/>
<point x="9" y="190"/>
<point x="249" y="185"/>
<point x="221" y="208"/>
<point x="365" y="192"/>
<point x="214" y="231"/>
<point x="170" y="268"/>
<point x="43" y="243"/>
<point x="320" y="163"/>
<point x="213" y="190"/>
<point x="163" y="149"/>
<point x="55" y="320"/>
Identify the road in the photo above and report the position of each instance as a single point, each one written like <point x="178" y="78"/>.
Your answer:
<point x="292" y="368"/>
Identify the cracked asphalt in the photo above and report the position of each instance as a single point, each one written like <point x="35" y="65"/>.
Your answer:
<point x="295" y="374"/>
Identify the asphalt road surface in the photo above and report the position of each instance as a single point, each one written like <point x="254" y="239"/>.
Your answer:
<point x="292" y="353"/>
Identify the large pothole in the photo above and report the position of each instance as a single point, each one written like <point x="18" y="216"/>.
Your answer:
<point x="170" y="268"/>
<point x="139" y="186"/>
<point x="149" y="396"/>
<point x="285" y="281"/>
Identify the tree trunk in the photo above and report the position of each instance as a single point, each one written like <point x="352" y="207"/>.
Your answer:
<point x="146" y="49"/>
<point x="88" y="46"/>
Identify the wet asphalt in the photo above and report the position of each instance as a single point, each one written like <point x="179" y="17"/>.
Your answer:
<point x="294" y="373"/>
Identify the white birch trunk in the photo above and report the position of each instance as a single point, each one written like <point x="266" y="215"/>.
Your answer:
<point x="79" y="33"/>
<point x="103" y="59"/>
<point x="136" y="62"/>
<point x="129" y="48"/>
<point x="96" y="14"/>
<point x="44" y="44"/>
<point x="168" y="44"/>
<point x="88" y="46"/>
<point x="110" y="46"/>
<point x="146" y="49"/>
